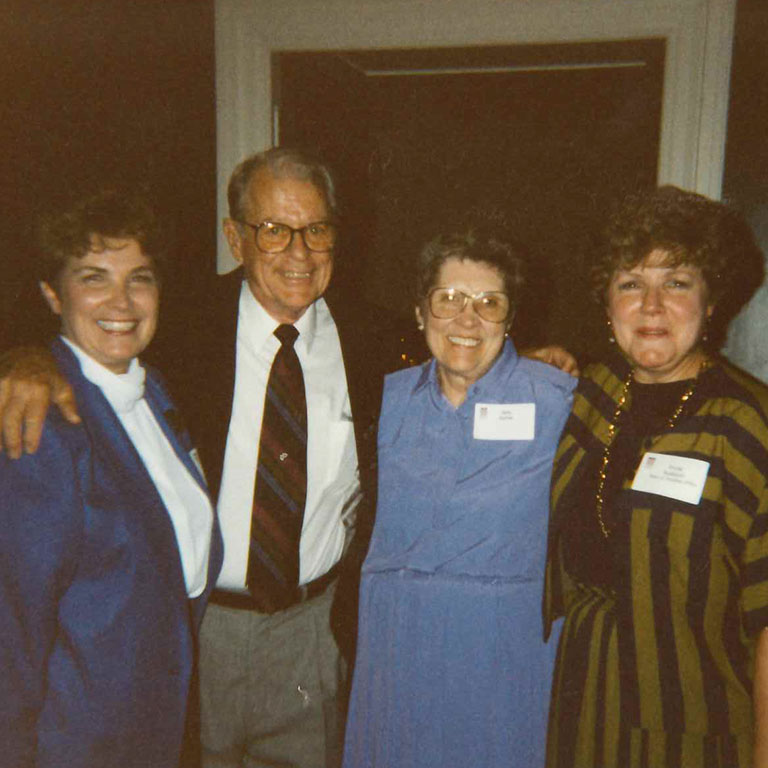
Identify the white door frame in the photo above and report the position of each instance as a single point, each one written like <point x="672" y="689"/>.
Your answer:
<point x="698" y="34"/>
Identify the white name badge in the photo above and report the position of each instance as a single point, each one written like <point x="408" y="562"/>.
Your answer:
<point x="675" y="477"/>
<point x="504" y="421"/>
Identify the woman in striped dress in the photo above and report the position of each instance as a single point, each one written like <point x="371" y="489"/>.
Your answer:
<point x="658" y="544"/>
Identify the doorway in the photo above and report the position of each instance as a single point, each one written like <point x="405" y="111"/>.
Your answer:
<point x="549" y="135"/>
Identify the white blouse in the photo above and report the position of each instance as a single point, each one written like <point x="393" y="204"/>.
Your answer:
<point x="185" y="501"/>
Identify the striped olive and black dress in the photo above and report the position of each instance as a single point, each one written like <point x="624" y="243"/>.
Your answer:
<point x="656" y="656"/>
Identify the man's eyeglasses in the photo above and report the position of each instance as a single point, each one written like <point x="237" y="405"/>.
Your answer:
<point x="275" y="237"/>
<point x="445" y="303"/>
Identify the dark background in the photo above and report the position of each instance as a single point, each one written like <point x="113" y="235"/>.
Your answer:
<point x="114" y="92"/>
<point x="98" y="91"/>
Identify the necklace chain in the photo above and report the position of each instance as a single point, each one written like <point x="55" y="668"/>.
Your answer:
<point x="671" y="421"/>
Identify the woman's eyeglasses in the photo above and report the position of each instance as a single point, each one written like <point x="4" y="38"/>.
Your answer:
<point x="445" y="303"/>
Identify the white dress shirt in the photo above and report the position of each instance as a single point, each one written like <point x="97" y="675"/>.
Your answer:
<point x="187" y="504"/>
<point x="333" y="485"/>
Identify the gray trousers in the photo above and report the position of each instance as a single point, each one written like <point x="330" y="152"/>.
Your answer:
<point x="268" y="687"/>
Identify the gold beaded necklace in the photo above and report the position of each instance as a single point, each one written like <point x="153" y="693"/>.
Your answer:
<point x="602" y="474"/>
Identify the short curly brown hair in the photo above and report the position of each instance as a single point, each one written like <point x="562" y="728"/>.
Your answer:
<point x="86" y="222"/>
<point x="693" y="230"/>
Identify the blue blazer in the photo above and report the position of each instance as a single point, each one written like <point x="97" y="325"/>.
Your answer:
<point x="97" y="634"/>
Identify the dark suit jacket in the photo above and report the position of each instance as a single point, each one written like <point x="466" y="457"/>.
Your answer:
<point x="200" y="365"/>
<point x="98" y="634"/>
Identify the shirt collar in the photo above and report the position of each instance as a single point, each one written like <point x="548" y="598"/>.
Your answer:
<point x="256" y="325"/>
<point x="122" y="390"/>
<point x="485" y="386"/>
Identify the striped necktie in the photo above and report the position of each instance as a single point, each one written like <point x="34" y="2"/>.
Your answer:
<point x="281" y="482"/>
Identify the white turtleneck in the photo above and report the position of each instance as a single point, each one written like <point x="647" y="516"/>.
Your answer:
<point x="186" y="502"/>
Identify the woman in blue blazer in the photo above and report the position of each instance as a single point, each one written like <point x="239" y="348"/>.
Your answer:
<point x="109" y="545"/>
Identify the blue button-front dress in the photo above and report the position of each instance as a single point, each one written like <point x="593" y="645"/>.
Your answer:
<point x="451" y="668"/>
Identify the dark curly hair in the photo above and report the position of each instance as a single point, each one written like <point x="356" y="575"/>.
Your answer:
<point x="484" y="239"/>
<point x="691" y="229"/>
<point x="86" y="223"/>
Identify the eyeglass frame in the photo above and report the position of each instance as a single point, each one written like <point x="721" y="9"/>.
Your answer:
<point x="467" y="296"/>
<point x="257" y="228"/>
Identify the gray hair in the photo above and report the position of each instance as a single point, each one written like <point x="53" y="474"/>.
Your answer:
<point x="282" y="163"/>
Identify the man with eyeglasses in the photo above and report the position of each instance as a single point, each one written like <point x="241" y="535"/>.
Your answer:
<point x="270" y="673"/>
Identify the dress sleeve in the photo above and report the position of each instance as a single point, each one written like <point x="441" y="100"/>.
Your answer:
<point x="755" y="570"/>
<point x="746" y="512"/>
<point x="41" y="523"/>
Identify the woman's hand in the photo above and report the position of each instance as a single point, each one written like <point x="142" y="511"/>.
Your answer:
<point x="553" y="355"/>
<point x="29" y="383"/>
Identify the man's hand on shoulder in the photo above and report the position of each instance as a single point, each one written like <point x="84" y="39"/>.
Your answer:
<point x="29" y="383"/>
<point x="553" y="355"/>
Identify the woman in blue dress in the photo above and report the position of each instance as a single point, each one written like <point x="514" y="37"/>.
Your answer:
<point x="451" y="667"/>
